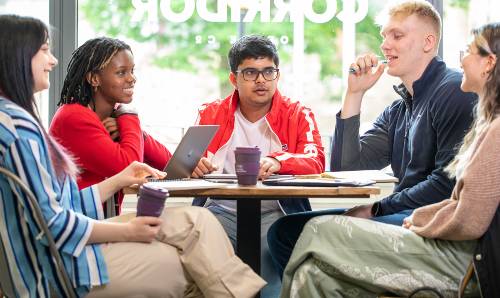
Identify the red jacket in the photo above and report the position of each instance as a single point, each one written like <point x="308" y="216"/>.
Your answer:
<point x="294" y="124"/>
<point x="80" y="131"/>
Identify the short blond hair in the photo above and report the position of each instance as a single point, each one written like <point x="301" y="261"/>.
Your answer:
<point x="420" y="8"/>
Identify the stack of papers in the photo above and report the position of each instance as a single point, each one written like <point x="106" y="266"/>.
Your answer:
<point x="186" y="184"/>
<point x="231" y="178"/>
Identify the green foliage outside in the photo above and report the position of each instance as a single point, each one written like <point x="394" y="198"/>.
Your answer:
<point x="177" y="49"/>
<point x="463" y="4"/>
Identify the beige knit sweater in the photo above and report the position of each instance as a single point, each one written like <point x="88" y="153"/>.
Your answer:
<point x="475" y="198"/>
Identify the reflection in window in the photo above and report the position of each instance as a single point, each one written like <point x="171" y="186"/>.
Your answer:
<point x="181" y="48"/>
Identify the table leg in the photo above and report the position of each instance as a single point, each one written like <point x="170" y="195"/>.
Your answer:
<point x="248" y="232"/>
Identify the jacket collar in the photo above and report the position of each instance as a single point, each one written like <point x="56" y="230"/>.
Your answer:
<point x="422" y="84"/>
<point x="429" y="76"/>
<point x="402" y="91"/>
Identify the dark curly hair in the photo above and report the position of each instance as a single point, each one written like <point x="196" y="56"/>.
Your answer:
<point x="252" y="46"/>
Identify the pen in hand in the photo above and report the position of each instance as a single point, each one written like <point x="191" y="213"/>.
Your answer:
<point x="352" y="70"/>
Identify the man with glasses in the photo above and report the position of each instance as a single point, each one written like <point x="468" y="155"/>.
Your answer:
<point x="256" y="114"/>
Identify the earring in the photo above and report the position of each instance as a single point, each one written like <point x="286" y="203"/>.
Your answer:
<point x="483" y="74"/>
<point x="95" y="88"/>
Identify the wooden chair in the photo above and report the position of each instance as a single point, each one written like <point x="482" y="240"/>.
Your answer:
<point x="465" y="280"/>
<point x="7" y="287"/>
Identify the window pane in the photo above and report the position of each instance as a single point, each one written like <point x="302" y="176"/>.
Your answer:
<point x="38" y="9"/>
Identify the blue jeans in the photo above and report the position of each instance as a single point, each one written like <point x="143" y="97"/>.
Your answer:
<point x="394" y="219"/>
<point x="283" y="234"/>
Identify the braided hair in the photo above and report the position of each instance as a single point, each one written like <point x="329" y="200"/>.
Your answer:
<point x="91" y="57"/>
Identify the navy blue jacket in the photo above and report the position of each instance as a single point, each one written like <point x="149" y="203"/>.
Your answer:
<point x="418" y="136"/>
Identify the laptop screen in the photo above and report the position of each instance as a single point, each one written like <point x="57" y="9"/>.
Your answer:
<point x="189" y="151"/>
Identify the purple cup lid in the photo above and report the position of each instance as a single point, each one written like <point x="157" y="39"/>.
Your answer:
<point x="247" y="149"/>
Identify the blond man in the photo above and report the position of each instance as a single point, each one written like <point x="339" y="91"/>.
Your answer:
<point x="417" y="135"/>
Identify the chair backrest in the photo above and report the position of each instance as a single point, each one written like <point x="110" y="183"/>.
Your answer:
<point x="6" y="284"/>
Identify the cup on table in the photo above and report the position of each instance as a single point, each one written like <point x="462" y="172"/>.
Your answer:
<point x="151" y="200"/>
<point x="247" y="164"/>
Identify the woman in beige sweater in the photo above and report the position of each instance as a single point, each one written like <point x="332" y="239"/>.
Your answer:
<point x="339" y="256"/>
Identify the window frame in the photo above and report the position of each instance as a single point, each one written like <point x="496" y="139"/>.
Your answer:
<point x="63" y="18"/>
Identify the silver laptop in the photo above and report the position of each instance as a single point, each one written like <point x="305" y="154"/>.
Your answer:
<point x="189" y="151"/>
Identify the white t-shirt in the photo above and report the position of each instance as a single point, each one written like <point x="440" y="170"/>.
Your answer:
<point x="247" y="134"/>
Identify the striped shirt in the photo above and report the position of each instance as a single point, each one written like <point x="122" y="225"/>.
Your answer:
<point x="69" y="213"/>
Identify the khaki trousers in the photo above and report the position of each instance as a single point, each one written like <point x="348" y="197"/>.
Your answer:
<point x="192" y="257"/>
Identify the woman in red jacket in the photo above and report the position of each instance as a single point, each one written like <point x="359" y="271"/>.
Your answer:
<point x="94" y="122"/>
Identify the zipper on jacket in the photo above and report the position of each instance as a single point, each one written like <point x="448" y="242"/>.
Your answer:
<point x="281" y="145"/>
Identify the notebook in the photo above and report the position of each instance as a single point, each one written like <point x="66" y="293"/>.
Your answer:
<point x="189" y="152"/>
<point x="317" y="182"/>
<point x="231" y="178"/>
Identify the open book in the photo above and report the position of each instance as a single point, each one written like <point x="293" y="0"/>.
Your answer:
<point x="375" y="175"/>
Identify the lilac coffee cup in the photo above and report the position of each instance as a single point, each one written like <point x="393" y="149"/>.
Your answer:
<point x="151" y="200"/>
<point x="247" y="164"/>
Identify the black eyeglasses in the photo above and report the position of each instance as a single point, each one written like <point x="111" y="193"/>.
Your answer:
<point x="252" y="74"/>
<point x="480" y="51"/>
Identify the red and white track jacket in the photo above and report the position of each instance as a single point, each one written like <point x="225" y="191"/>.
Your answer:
<point x="293" y="123"/>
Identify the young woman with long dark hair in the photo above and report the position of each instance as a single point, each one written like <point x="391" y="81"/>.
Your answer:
<point x="183" y="252"/>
